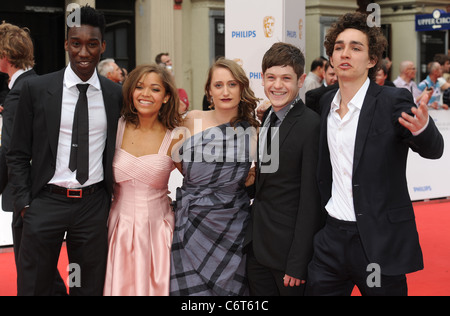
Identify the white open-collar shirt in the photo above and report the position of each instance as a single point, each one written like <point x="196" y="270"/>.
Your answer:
<point x="341" y="142"/>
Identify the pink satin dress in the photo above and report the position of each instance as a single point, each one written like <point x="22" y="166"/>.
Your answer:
<point x="141" y="222"/>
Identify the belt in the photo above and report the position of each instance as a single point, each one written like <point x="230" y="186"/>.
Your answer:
<point x="343" y="225"/>
<point x="74" y="193"/>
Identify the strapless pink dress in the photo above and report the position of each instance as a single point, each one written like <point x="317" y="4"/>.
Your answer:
<point x="140" y="225"/>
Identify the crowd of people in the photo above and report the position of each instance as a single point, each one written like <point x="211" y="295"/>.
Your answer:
<point x="296" y="202"/>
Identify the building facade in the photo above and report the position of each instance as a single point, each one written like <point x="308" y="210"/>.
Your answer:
<point x="192" y="32"/>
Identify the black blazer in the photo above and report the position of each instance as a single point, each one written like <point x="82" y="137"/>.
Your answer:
<point x="9" y="110"/>
<point x="36" y="132"/>
<point x="286" y="211"/>
<point x="384" y="212"/>
<point x="312" y="97"/>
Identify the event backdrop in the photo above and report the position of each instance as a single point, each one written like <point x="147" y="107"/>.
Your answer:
<point x="253" y="26"/>
<point x="430" y="179"/>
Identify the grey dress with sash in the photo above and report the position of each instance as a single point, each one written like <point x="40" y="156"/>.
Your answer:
<point x="211" y="215"/>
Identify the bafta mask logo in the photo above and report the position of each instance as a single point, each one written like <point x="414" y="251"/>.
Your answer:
<point x="269" y="26"/>
<point x="239" y="61"/>
<point x="300" y="28"/>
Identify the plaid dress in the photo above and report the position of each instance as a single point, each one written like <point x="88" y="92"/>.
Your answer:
<point x="211" y="216"/>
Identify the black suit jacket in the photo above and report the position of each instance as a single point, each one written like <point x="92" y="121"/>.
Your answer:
<point x="36" y="132"/>
<point x="384" y="212"/>
<point x="286" y="211"/>
<point x="10" y="106"/>
<point x="312" y="97"/>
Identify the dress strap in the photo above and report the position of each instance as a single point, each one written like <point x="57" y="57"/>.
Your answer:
<point x="166" y="143"/>
<point x="120" y="131"/>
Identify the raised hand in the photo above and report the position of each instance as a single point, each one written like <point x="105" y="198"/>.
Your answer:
<point x="419" y="120"/>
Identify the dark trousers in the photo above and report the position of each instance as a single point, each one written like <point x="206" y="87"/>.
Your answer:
<point x="45" y="223"/>
<point x="265" y="281"/>
<point x="59" y="287"/>
<point x="339" y="263"/>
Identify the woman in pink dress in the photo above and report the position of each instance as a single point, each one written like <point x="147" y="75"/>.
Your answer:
<point x="141" y="221"/>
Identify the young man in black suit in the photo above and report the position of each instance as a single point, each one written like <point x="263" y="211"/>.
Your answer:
<point x="370" y="238"/>
<point x="286" y="210"/>
<point x="17" y="60"/>
<point x="67" y="187"/>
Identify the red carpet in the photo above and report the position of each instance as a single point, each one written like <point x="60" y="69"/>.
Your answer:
<point x="433" y="220"/>
<point x="8" y="275"/>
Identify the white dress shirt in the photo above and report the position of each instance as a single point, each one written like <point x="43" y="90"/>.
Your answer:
<point x="97" y="131"/>
<point x="341" y="142"/>
<point x="15" y="76"/>
<point x="410" y="86"/>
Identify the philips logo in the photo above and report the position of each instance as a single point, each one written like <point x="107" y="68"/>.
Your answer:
<point x="291" y="34"/>
<point x="255" y="75"/>
<point x="243" y="34"/>
<point x="423" y="189"/>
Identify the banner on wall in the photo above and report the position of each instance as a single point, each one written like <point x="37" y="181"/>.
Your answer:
<point x="253" y="26"/>
<point x="429" y="179"/>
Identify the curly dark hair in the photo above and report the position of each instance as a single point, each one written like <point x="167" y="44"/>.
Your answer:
<point x="168" y="114"/>
<point x="377" y="41"/>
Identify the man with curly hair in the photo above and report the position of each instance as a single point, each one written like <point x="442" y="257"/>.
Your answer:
<point x="370" y="239"/>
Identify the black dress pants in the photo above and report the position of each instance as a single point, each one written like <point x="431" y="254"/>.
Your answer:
<point x="49" y="217"/>
<point x="339" y="263"/>
<point x="265" y="281"/>
<point x="59" y="287"/>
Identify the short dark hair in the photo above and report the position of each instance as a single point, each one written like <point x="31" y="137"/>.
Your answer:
<point x="318" y="62"/>
<point x="92" y="17"/>
<point x="284" y="54"/>
<point x="375" y="38"/>
<point x="158" y="57"/>
<point x="441" y="58"/>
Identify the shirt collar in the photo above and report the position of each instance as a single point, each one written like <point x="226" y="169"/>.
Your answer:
<point x="357" y="100"/>
<point x="281" y="114"/>
<point x="71" y="79"/>
<point x="402" y="82"/>
<point x="15" y="76"/>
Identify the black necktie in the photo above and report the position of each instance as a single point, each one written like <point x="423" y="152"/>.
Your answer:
<point x="273" y="120"/>
<point x="79" y="153"/>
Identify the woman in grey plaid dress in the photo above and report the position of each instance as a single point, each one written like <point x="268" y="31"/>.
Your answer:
<point x="212" y="207"/>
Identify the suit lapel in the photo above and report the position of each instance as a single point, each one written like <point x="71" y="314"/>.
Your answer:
<point x="323" y="140"/>
<point x="107" y="99"/>
<point x="324" y="171"/>
<point x="290" y="120"/>
<point x="52" y="108"/>
<point x="365" y="120"/>
<point x="111" y="116"/>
